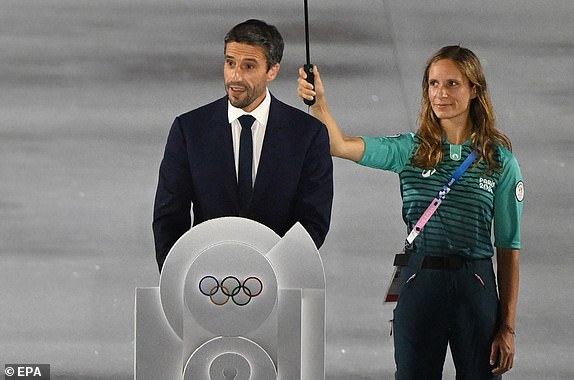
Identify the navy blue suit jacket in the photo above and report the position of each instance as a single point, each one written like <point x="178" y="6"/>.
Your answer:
<point x="294" y="181"/>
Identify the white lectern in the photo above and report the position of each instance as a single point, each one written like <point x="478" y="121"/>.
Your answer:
<point x="234" y="302"/>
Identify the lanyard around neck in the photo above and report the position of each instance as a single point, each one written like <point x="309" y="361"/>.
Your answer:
<point x="418" y="228"/>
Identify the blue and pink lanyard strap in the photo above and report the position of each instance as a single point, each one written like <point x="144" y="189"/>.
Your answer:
<point x="418" y="228"/>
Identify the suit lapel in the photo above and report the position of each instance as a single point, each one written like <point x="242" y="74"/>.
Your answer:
<point x="222" y="146"/>
<point x="269" y="151"/>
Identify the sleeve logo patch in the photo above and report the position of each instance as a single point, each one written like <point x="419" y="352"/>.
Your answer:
<point x="519" y="191"/>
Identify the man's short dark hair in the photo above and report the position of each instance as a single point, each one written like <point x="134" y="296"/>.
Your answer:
<point x="259" y="33"/>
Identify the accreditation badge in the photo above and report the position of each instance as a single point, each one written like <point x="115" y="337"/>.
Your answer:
<point x="394" y="286"/>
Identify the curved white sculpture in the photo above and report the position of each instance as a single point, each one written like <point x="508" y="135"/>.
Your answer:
<point x="235" y="301"/>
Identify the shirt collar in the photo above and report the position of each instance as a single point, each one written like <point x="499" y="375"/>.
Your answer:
<point x="445" y="141"/>
<point x="261" y="113"/>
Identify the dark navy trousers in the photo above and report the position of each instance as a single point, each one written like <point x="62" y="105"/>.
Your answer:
<point x="441" y="307"/>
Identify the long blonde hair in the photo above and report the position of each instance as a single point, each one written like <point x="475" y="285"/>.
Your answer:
<point x="484" y="132"/>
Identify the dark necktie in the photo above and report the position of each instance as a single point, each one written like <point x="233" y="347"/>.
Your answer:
<point x="245" y="181"/>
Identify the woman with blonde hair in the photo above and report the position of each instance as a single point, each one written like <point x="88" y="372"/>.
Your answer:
<point x="449" y="294"/>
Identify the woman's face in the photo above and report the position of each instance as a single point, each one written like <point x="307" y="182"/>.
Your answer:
<point x="450" y="92"/>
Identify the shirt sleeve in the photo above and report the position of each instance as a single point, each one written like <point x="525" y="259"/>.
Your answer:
<point x="508" y="201"/>
<point x="388" y="153"/>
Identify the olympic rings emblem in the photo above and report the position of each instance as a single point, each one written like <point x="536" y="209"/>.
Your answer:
<point x="240" y="293"/>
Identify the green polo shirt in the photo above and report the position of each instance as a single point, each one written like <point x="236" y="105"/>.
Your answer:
<point x="480" y="204"/>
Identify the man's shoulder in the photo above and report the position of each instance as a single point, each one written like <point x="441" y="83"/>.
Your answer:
<point x="293" y="117"/>
<point x="281" y="106"/>
<point x="206" y="111"/>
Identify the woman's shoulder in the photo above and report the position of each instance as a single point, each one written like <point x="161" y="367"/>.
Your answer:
<point x="505" y="155"/>
<point x="399" y="142"/>
<point x="409" y="138"/>
<point x="388" y="152"/>
<point x="509" y="167"/>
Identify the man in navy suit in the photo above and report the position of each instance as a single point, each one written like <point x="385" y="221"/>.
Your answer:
<point x="273" y="166"/>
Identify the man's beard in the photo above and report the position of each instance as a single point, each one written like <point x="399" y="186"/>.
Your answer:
<point x="247" y="97"/>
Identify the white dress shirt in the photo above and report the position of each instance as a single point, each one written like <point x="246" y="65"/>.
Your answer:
<point x="261" y="114"/>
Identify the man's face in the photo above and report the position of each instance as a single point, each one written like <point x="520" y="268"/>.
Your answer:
<point x="246" y="76"/>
